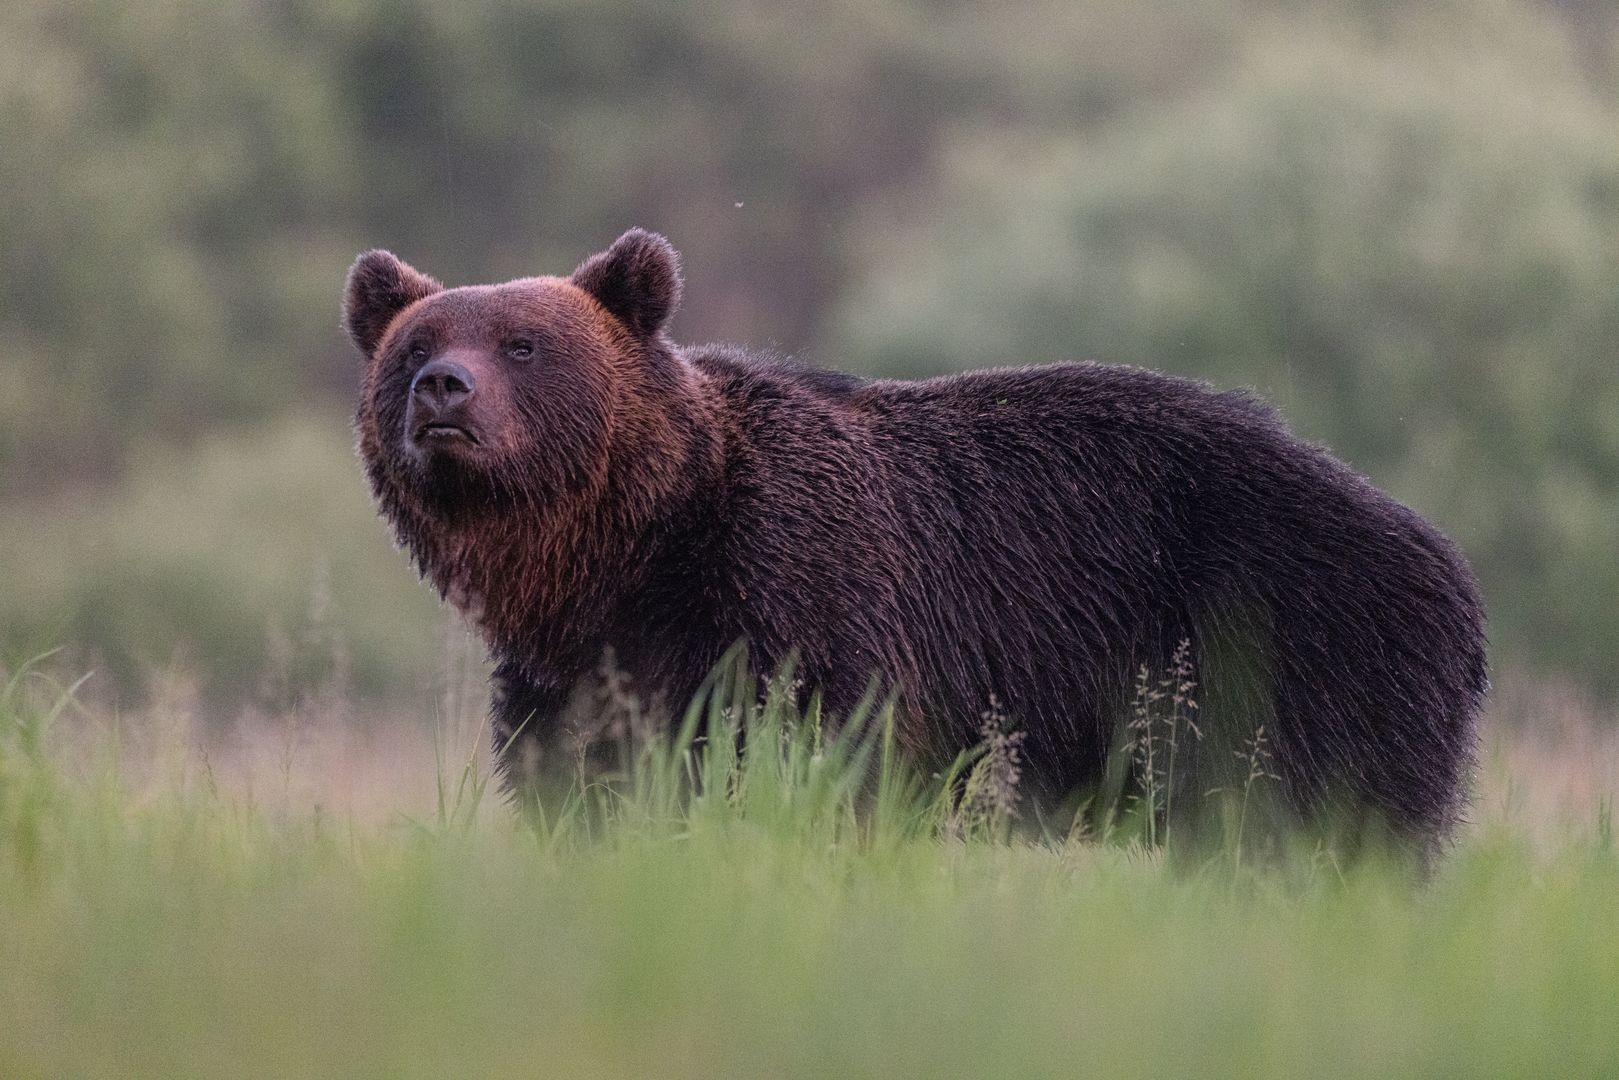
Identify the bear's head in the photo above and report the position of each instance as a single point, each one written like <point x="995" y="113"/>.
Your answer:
<point x="501" y="393"/>
<point x="522" y="415"/>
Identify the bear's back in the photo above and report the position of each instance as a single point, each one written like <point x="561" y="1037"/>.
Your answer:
<point x="1037" y="532"/>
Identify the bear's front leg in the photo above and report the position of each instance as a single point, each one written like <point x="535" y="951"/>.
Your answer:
<point x="531" y="758"/>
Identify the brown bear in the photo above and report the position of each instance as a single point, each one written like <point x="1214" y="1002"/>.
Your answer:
<point x="579" y="483"/>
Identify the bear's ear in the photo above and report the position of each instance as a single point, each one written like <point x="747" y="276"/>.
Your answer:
<point x="637" y="279"/>
<point x="380" y="286"/>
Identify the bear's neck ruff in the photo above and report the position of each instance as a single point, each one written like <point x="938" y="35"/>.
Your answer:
<point x="521" y="575"/>
<point x="541" y="581"/>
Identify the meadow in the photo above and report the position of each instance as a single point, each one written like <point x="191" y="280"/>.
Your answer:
<point x="332" y="894"/>
<point x="260" y="839"/>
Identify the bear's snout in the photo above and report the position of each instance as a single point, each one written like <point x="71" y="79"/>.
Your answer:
<point x="440" y="396"/>
<point x="442" y="385"/>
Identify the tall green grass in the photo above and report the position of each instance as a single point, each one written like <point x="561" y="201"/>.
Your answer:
<point x="809" y="907"/>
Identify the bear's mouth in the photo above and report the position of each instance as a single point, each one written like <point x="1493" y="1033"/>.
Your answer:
<point x="441" y="432"/>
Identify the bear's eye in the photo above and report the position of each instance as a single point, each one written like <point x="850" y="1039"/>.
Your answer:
<point x="520" y="350"/>
<point x="418" y="350"/>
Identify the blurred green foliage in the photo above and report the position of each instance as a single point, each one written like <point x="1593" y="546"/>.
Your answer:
<point x="252" y="555"/>
<point x="1401" y="222"/>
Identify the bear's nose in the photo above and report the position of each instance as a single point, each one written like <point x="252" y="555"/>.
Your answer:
<point x="442" y="384"/>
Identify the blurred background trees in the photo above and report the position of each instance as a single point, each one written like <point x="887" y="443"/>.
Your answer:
<point x="1400" y="222"/>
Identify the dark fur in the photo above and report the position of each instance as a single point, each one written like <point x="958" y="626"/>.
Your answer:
<point x="1032" y="533"/>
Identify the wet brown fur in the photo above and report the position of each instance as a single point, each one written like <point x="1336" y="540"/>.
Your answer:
<point x="516" y="572"/>
<point x="1036" y="534"/>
